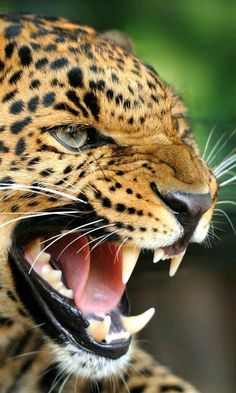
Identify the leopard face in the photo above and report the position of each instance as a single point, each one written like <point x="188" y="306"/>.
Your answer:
<point x="97" y="162"/>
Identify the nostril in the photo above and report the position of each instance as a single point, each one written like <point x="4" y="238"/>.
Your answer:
<point x="192" y="204"/>
<point x="195" y="205"/>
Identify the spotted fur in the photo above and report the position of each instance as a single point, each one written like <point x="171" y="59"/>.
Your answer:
<point x="54" y="72"/>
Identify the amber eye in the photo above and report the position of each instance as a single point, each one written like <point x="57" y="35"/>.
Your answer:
<point x="72" y="137"/>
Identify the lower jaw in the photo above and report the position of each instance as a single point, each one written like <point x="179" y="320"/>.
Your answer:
<point x="57" y="315"/>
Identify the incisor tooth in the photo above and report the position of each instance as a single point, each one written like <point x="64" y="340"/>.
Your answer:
<point x="158" y="255"/>
<point x="57" y="285"/>
<point x="46" y="271"/>
<point x="175" y="262"/>
<point x="98" y="330"/>
<point x="55" y="275"/>
<point x="66" y="292"/>
<point x="129" y="259"/>
<point x="136" y="323"/>
<point x="51" y="275"/>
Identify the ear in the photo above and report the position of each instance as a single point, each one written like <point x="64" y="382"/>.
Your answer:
<point x="121" y="39"/>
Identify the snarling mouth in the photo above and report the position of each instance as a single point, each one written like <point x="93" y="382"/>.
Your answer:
<point x="78" y="283"/>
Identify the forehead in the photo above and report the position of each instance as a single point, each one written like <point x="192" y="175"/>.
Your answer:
<point x="66" y="62"/>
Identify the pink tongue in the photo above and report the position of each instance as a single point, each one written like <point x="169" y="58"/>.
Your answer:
<point x="94" y="276"/>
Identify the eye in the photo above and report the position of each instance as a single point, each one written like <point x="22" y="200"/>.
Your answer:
<point x="70" y="136"/>
<point x="78" y="137"/>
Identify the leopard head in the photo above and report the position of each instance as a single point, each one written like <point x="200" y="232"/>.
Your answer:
<point x="97" y="163"/>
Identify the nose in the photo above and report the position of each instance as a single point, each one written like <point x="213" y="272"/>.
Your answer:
<point x="186" y="206"/>
<point x="192" y="205"/>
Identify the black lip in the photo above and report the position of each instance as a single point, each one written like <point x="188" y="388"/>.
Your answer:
<point x="59" y="318"/>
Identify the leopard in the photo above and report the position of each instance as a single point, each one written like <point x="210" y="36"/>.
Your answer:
<point x="97" y="163"/>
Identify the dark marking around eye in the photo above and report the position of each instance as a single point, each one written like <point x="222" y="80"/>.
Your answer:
<point x="62" y="106"/>
<point x="71" y="94"/>
<point x="75" y="76"/>
<point x="25" y="55"/>
<point x="92" y="103"/>
<point x="18" y="126"/>
<point x="20" y="147"/>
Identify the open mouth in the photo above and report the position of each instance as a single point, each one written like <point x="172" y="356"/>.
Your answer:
<point x="77" y="284"/>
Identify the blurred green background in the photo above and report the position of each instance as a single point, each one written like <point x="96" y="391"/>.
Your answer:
<point x="192" y="44"/>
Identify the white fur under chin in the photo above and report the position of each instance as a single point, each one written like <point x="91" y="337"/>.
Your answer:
<point x="86" y="365"/>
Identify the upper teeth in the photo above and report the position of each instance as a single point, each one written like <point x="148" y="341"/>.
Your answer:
<point x="158" y="255"/>
<point x="175" y="262"/>
<point x="54" y="278"/>
<point x="129" y="259"/>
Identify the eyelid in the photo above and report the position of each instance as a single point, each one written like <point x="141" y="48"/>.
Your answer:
<point x="93" y="137"/>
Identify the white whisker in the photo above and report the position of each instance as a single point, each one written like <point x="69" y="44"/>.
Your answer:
<point x="226" y="215"/>
<point x="60" y="237"/>
<point x="84" y="234"/>
<point x="208" y="141"/>
<point x="208" y="159"/>
<point x="221" y="148"/>
<point x="76" y="229"/>
<point x="227" y="182"/>
<point x="36" y="215"/>
<point x="37" y="189"/>
<point x="102" y="240"/>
